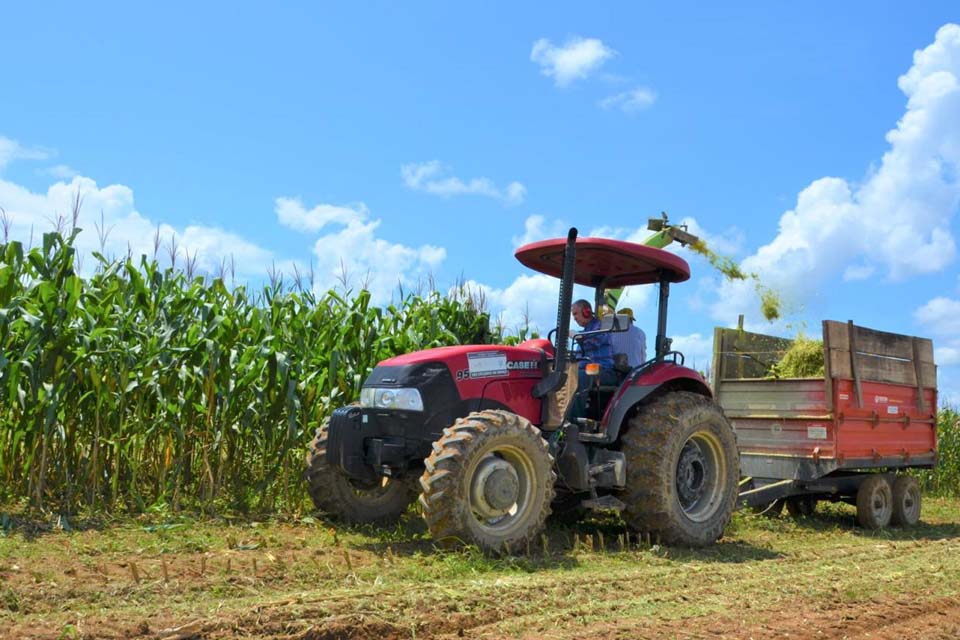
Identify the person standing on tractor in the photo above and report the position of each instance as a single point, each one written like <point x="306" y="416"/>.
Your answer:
<point x="632" y="342"/>
<point x="594" y="349"/>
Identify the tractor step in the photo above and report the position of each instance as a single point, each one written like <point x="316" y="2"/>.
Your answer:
<point x="602" y="503"/>
<point x="592" y="437"/>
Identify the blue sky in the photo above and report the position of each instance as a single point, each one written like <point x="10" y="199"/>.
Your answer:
<point x="407" y="140"/>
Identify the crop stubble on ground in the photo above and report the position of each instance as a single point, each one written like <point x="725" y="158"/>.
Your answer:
<point x="769" y="578"/>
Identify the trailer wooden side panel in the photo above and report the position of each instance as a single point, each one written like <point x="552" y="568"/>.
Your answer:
<point x="787" y="417"/>
<point x="874" y="407"/>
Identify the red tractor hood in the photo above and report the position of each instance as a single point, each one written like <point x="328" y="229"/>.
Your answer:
<point x="483" y="360"/>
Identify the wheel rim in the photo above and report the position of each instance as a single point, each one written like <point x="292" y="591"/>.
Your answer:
<point x="700" y="473"/>
<point x="910" y="504"/>
<point x="880" y="505"/>
<point x="501" y="486"/>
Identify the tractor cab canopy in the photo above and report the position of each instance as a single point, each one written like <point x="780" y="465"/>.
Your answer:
<point x="606" y="263"/>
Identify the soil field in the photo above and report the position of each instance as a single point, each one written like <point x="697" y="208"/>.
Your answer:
<point x="173" y="578"/>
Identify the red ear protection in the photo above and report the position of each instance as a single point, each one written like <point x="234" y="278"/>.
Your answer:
<point x="587" y="312"/>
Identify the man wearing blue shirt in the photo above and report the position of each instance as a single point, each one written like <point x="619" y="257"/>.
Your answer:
<point x="632" y="342"/>
<point x="593" y="349"/>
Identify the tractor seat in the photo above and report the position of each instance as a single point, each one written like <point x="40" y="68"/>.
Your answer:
<point x="621" y="365"/>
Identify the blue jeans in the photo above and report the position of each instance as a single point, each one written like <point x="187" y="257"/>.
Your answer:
<point x="608" y="377"/>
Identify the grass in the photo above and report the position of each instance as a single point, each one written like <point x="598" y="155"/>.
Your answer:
<point x="257" y="577"/>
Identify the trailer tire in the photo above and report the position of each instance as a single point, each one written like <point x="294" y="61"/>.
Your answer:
<point x="801" y="506"/>
<point x="337" y="495"/>
<point x="488" y="482"/>
<point x="906" y="501"/>
<point x="874" y="502"/>
<point x="683" y="470"/>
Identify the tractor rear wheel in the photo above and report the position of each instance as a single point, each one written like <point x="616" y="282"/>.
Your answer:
<point x="382" y="502"/>
<point x="488" y="482"/>
<point x="682" y="470"/>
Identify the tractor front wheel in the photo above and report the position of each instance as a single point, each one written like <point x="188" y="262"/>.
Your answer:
<point x="682" y="470"/>
<point x="383" y="501"/>
<point x="488" y="482"/>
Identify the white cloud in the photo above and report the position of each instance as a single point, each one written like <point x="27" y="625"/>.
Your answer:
<point x="576" y="59"/>
<point x="353" y="249"/>
<point x="537" y="227"/>
<point x="897" y="220"/>
<point x="125" y="229"/>
<point x="292" y="214"/>
<point x="431" y="177"/>
<point x="61" y="171"/>
<point x="11" y="150"/>
<point x="940" y="315"/>
<point x="630" y="101"/>
<point x="530" y="298"/>
<point x="947" y="355"/>
<point x="696" y="348"/>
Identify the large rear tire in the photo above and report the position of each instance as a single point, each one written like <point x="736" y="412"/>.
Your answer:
<point x="488" y="482"/>
<point x="334" y="493"/>
<point x="682" y="470"/>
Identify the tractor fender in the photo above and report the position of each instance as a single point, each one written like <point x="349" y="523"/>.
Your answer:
<point x="631" y="395"/>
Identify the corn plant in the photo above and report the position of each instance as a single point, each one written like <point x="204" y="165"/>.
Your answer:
<point x="143" y="385"/>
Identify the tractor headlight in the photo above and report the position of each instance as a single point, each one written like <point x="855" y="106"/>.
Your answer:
<point x="406" y="399"/>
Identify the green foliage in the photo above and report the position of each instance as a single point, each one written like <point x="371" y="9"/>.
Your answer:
<point x="142" y="386"/>
<point x="804" y="359"/>
<point x="945" y="478"/>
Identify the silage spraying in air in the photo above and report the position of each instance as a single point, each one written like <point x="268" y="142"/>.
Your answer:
<point x="770" y="303"/>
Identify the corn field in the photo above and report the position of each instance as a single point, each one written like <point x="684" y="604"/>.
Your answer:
<point x="945" y="479"/>
<point x="141" y="387"/>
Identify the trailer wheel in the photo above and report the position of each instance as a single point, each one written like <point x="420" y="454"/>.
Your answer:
<point x="804" y="506"/>
<point x="336" y="494"/>
<point x="682" y="470"/>
<point x="874" y="502"/>
<point x="906" y="501"/>
<point x="489" y="482"/>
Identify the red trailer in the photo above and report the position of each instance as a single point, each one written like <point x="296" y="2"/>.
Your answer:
<point x="844" y="436"/>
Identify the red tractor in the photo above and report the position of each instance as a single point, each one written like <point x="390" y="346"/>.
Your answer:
<point x="484" y="433"/>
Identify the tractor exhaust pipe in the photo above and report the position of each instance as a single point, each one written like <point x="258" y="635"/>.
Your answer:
<point x="566" y="297"/>
<point x="556" y="378"/>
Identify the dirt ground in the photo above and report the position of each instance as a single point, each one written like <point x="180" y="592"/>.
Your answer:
<point x="818" y="577"/>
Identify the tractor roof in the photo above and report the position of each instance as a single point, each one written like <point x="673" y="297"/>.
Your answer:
<point x="602" y="261"/>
